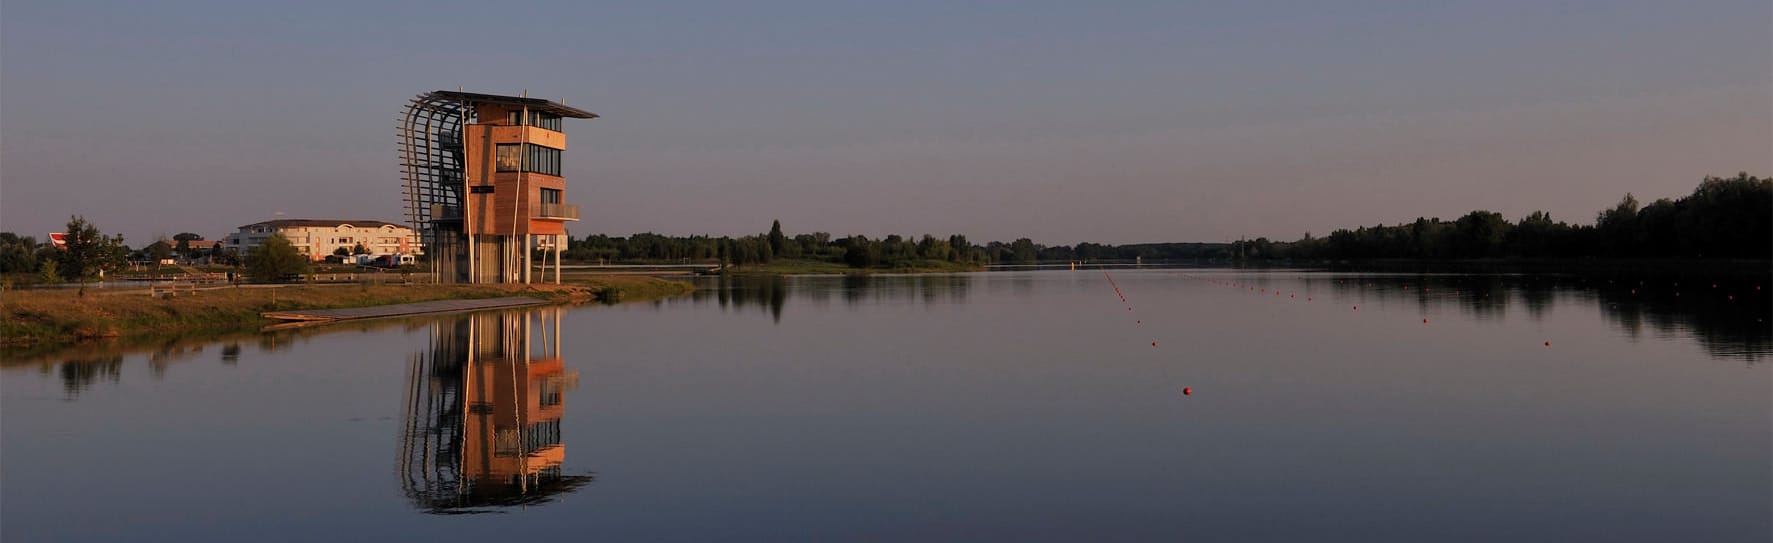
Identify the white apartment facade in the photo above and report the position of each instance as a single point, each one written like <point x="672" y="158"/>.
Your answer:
<point x="318" y="238"/>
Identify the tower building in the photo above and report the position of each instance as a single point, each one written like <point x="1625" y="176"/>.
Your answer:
<point x="484" y="185"/>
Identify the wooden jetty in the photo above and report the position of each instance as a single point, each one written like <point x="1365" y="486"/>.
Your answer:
<point x="398" y="310"/>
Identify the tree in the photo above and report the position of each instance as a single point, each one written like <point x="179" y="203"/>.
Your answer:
<point x="17" y="254"/>
<point x="1023" y="251"/>
<point x="959" y="248"/>
<point x="158" y="251"/>
<point x="1618" y="226"/>
<point x="359" y="249"/>
<point x="49" y="270"/>
<point x="275" y="260"/>
<point x="225" y="257"/>
<point x="89" y="252"/>
<point x="183" y="245"/>
<point x="1479" y="234"/>
<point x="859" y="252"/>
<point x="778" y="242"/>
<point x="341" y="251"/>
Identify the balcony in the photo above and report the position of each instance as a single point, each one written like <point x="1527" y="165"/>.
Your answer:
<point x="559" y="212"/>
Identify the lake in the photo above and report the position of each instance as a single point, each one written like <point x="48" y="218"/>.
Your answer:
<point x="1054" y="405"/>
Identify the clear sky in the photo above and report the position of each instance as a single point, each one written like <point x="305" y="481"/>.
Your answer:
<point x="1113" y="122"/>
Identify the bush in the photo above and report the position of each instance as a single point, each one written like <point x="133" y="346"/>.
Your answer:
<point x="275" y="260"/>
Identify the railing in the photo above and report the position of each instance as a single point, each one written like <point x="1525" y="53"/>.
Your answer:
<point x="555" y="211"/>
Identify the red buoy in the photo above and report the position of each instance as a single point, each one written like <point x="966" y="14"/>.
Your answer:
<point x="1548" y="344"/>
<point x="1154" y="344"/>
<point x="1424" y="321"/>
<point x="1186" y="391"/>
<point x="1357" y="308"/>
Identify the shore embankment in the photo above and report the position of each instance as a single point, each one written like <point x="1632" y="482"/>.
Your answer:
<point x="39" y="319"/>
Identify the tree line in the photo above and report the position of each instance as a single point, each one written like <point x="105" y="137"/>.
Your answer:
<point x="88" y="254"/>
<point x="1723" y="218"/>
<point x="862" y="252"/>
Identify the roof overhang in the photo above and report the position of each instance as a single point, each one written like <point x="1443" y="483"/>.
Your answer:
<point x="536" y="104"/>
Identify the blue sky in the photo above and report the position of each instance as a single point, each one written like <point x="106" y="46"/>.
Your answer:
<point x="1124" y="122"/>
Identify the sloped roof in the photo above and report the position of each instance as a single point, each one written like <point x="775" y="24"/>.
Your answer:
<point x="538" y="104"/>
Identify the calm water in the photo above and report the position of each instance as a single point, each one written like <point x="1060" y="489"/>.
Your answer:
<point x="1014" y="406"/>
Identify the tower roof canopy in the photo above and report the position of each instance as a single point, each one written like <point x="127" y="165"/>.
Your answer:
<point x="536" y="104"/>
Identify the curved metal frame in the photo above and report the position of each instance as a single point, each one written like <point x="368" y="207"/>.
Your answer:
<point x="431" y="164"/>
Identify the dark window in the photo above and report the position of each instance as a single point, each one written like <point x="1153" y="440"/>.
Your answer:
<point x="536" y="118"/>
<point x="545" y="120"/>
<point x="542" y="160"/>
<point x="541" y="434"/>
<point x="480" y="189"/>
<point x="550" y="196"/>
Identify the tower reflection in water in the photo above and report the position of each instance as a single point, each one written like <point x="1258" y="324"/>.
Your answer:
<point x="483" y="407"/>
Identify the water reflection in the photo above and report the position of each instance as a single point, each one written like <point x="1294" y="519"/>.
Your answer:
<point x="1729" y="318"/>
<point x="770" y="294"/>
<point x="482" y="419"/>
<point x="79" y="374"/>
<point x="83" y="365"/>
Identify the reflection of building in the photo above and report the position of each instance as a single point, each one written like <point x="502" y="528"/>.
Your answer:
<point x="317" y="238"/>
<point x="484" y="184"/>
<point x="483" y="414"/>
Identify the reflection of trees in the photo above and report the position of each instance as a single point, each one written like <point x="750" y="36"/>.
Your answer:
<point x="169" y="353"/>
<point x="82" y="364"/>
<point x="79" y="374"/>
<point x="771" y="293"/>
<point x="483" y="409"/>
<point x="1725" y="328"/>
<point x="1731" y="320"/>
<point x="1537" y="295"/>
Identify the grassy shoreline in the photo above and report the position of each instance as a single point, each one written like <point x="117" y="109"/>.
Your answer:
<point x="50" y="319"/>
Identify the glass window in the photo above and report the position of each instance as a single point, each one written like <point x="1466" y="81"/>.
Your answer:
<point x="545" y="120"/>
<point x="514" y="157"/>
<point x="550" y="196"/>
<point x="510" y="157"/>
<point x="542" y="160"/>
<point x="536" y="118"/>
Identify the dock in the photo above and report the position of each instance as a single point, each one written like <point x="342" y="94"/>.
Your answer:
<point x="400" y="310"/>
